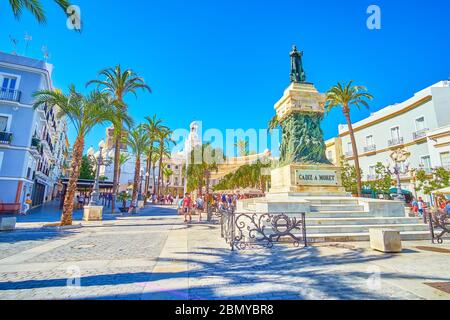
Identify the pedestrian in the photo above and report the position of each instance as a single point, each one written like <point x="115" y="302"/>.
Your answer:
<point x="447" y="208"/>
<point x="421" y="207"/>
<point x="187" y="207"/>
<point x="26" y="205"/>
<point x="199" y="204"/>
<point x="415" y="207"/>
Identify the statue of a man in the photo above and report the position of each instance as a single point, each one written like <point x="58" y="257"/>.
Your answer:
<point x="297" y="72"/>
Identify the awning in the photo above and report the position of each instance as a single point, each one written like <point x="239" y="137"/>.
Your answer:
<point x="442" y="191"/>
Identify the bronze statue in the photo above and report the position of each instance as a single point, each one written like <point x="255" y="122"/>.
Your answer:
<point x="297" y="72"/>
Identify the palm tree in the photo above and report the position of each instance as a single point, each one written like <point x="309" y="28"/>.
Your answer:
<point x="273" y="124"/>
<point x="153" y="128"/>
<point x="163" y="138"/>
<point x="242" y="146"/>
<point x="84" y="112"/>
<point x="35" y="7"/>
<point x="137" y="139"/>
<point x="346" y="97"/>
<point x="123" y="159"/>
<point x="167" y="173"/>
<point x="119" y="83"/>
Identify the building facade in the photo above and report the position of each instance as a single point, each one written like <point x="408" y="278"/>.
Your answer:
<point x="420" y="125"/>
<point x="33" y="143"/>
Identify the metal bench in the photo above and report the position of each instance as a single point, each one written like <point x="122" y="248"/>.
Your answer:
<point x="439" y="220"/>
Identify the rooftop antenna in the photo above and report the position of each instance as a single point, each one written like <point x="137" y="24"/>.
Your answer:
<point x="44" y="50"/>
<point x="14" y="43"/>
<point x="27" y="39"/>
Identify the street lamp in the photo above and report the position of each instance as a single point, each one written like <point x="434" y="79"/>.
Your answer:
<point x="100" y="161"/>
<point x="399" y="156"/>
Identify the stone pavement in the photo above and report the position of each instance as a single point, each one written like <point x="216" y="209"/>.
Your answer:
<point x="156" y="256"/>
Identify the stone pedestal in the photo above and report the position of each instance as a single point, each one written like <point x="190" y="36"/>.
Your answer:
<point x="385" y="240"/>
<point x="302" y="179"/>
<point x="93" y="213"/>
<point x="8" y="224"/>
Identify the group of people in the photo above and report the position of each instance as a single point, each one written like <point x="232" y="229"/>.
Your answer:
<point x="216" y="202"/>
<point x="419" y="207"/>
<point x="161" y="199"/>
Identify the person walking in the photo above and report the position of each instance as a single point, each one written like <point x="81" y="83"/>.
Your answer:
<point x="26" y="204"/>
<point x="187" y="207"/>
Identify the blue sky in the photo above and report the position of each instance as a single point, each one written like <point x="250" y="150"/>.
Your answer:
<point x="227" y="63"/>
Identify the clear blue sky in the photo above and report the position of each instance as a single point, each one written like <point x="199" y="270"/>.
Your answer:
<point x="227" y="63"/>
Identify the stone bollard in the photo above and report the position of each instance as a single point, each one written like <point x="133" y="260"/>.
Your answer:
<point x="385" y="240"/>
<point x="8" y="223"/>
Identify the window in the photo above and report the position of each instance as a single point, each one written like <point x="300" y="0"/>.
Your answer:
<point x="445" y="159"/>
<point x="176" y="181"/>
<point x="1" y="160"/>
<point x="369" y="141"/>
<point x="9" y="83"/>
<point x="395" y="133"/>
<point x="372" y="172"/>
<point x="3" y="124"/>
<point x="349" y="147"/>
<point x="420" y="124"/>
<point x="425" y="162"/>
<point x="330" y="155"/>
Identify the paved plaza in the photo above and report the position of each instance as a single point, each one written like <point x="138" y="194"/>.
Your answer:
<point x="154" y="255"/>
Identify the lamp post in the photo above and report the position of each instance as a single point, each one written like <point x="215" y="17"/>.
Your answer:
<point x="100" y="161"/>
<point x="399" y="156"/>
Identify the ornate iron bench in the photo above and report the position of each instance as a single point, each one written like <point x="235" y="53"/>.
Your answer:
<point x="439" y="220"/>
<point x="249" y="230"/>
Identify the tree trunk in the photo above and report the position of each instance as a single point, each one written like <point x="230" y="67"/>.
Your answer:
<point x="77" y="155"/>
<point x="147" y="177"/>
<point x="355" y="152"/>
<point x="160" y="166"/>
<point x="116" y="178"/>
<point x="137" y="170"/>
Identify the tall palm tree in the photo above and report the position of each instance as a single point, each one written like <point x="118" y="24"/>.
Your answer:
<point x="123" y="159"/>
<point x="119" y="83"/>
<point x="84" y="112"/>
<point x="137" y="139"/>
<point x="347" y="96"/>
<point x="242" y="146"/>
<point x="35" y="7"/>
<point x="153" y="126"/>
<point x="164" y="140"/>
<point x="273" y="124"/>
<point x="167" y="173"/>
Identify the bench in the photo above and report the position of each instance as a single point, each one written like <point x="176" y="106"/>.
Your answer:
<point x="439" y="220"/>
<point x="10" y="208"/>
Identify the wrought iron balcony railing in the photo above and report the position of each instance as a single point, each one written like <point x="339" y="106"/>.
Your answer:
<point x="420" y="134"/>
<point x="396" y="141"/>
<point x="349" y="154"/>
<point x="371" y="148"/>
<point x="10" y="95"/>
<point x="6" y="137"/>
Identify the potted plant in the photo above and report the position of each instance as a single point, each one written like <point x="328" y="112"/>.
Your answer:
<point x="123" y="196"/>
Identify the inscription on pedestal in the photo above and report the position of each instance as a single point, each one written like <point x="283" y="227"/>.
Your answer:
<point x="316" y="178"/>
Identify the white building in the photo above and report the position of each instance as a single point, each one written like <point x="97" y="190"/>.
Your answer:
<point x="420" y="124"/>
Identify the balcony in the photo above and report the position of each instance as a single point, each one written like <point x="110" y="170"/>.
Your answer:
<point x="420" y="134"/>
<point x="396" y="141"/>
<point x="349" y="154"/>
<point x="371" y="148"/>
<point x="10" y="95"/>
<point x="6" y="138"/>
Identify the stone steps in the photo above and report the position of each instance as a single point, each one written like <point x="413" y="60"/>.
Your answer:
<point x="359" y="221"/>
<point x="364" y="236"/>
<point x="336" y="207"/>
<point x="354" y="229"/>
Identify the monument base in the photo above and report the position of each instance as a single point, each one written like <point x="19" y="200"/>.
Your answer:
<point x="93" y="213"/>
<point x="308" y="180"/>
